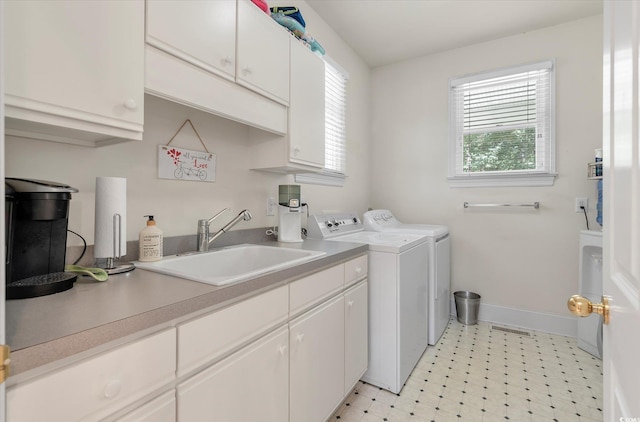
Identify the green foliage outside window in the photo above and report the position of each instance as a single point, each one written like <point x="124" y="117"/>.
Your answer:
<point x="500" y="150"/>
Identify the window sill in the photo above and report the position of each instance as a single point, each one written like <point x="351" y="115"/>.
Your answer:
<point x="326" y="179"/>
<point x="489" y="181"/>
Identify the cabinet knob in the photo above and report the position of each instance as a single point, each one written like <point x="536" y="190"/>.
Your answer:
<point x="350" y="303"/>
<point x="358" y="270"/>
<point x="282" y="350"/>
<point x="246" y="71"/>
<point x="112" y="389"/>
<point x="225" y="61"/>
<point x="300" y="338"/>
<point x="296" y="151"/>
<point x="130" y="104"/>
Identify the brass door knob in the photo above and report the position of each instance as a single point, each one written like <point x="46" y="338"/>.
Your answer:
<point x="582" y="307"/>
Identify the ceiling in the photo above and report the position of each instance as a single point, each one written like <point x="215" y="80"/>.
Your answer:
<point x="389" y="31"/>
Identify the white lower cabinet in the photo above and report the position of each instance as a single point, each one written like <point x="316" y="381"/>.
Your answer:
<point x="250" y="385"/>
<point x="317" y="362"/>
<point x="356" y="334"/>
<point x="290" y="354"/>
<point x="300" y="371"/>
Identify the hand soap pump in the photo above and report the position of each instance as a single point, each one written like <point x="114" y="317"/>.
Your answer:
<point x="150" y="242"/>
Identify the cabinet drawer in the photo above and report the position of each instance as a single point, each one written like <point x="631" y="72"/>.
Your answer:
<point x="355" y="270"/>
<point x="95" y="387"/>
<point x="207" y="338"/>
<point x="161" y="409"/>
<point x="310" y="290"/>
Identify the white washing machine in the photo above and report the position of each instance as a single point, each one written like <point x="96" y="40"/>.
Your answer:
<point x="397" y="278"/>
<point x="439" y="284"/>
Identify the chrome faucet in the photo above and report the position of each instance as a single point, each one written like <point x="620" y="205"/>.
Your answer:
<point x="204" y="240"/>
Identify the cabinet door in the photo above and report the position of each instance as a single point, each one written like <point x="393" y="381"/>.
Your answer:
<point x="306" y="110"/>
<point x="317" y="362"/>
<point x="202" y="33"/>
<point x="250" y="385"/>
<point x="356" y="336"/>
<point x="69" y="63"/>
<point x="262" y="61"/>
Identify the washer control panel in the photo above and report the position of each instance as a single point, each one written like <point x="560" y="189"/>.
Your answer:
<point x="323" y="226"/>
<point x="379" y="218"/>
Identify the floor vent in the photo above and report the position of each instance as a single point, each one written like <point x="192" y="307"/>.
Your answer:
<point x="511" y="330"/>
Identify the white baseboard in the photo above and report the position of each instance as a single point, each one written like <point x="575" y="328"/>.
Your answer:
<point x="536" y="321"/>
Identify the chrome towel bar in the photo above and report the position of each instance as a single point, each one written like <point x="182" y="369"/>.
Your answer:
<point x="535" y="205"/>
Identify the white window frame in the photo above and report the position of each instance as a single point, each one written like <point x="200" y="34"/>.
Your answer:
<point x="328" y="176"/>
<point x="540" y="177"/>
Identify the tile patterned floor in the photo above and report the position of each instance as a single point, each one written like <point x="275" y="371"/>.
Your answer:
<point x="476" y="373"/>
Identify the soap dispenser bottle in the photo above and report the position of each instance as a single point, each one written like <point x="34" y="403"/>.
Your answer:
<point x="150" y="242"/>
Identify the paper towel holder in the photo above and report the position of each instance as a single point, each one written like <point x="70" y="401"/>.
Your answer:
<point x="110" y="265"/>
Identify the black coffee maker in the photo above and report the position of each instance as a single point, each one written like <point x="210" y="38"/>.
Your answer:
<point x="36" y="216"/>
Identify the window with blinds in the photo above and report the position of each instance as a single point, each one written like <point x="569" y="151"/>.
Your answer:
<point x="335" y="129"/>
<point x="502" y="127"/>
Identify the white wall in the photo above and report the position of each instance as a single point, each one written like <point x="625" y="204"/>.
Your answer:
<point x="178" y="205"/>
<point x="521" y="259"/>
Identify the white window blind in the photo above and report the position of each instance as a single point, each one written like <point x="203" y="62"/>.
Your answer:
<point x="503" y="126"/>
<point x="335" y="119"/>
<point x="335" y="129"/>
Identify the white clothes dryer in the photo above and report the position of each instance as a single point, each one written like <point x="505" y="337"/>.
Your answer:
<point x="439" y="284"/>
<point x="397" y="277"/>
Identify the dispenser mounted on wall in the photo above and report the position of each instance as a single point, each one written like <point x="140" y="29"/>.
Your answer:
<point x="289" y="214"/>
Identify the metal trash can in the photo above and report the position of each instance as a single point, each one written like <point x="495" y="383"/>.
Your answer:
<point x="467" y="306"/>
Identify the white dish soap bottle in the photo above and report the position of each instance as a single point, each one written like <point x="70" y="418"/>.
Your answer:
<point x="150" y="242"/>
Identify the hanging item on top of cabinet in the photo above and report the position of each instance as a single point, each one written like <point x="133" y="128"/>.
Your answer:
<point x="291" y="18"/>
<point x="185" y="164"/>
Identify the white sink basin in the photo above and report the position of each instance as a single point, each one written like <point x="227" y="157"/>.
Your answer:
<point x="230" y="265"/>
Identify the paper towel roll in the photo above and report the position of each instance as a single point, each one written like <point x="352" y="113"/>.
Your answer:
<point x="111" y="199"/>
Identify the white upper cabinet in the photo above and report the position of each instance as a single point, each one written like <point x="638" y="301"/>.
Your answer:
<point x="262" y="61"/>
<point x="302" y="150"/>
<point x="190" y="58"/>
<point x="306" y="113"/>
<point x="202" y="33"/>
<point x="74" y="70"/>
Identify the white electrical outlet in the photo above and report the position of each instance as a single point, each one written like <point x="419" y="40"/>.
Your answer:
<point x="582" y="202"/>
<point x="271" y="205"/>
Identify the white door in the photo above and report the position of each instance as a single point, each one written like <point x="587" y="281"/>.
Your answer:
<point x="621" y="209"/>
<point x="2" y="242"/>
